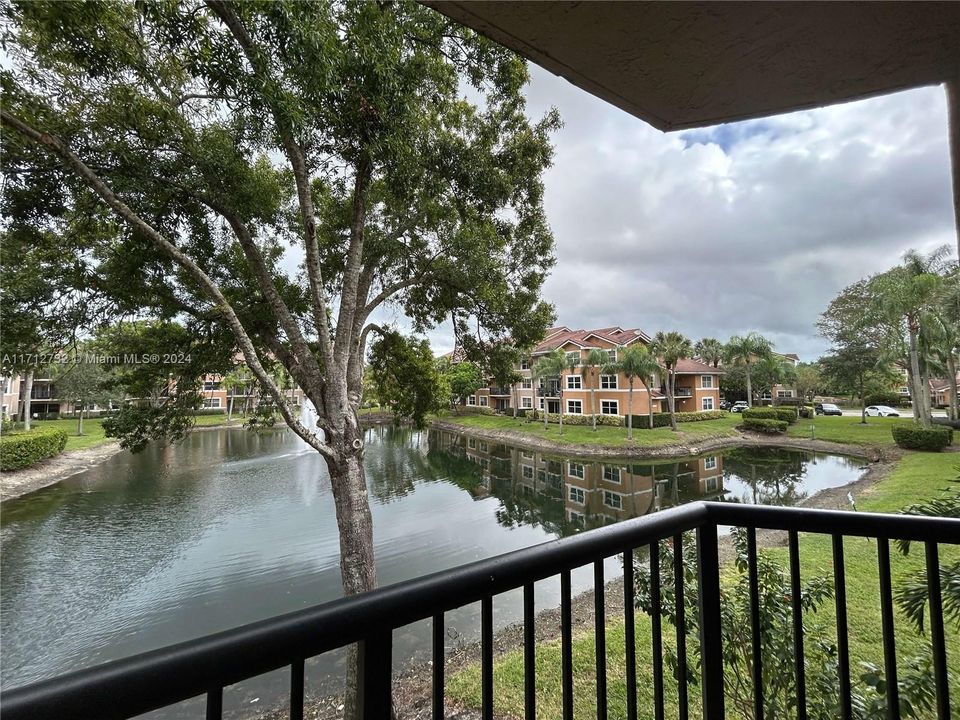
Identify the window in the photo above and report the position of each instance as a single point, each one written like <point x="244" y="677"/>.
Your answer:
<point x="573" y="357"/>
<point x="710" y="463"/>
<point x="472" y="400"/>
<point x="712" y="485"/>
<point x="574" y="382"/>
<point x="574" y="407"/>
<point x="483" y="401"/>
<point x="472" y="443"/>
<point x="576" y="518"/>
<point x="706" y="381"/>
<point x="612" y="354"/>
<point x="611" y="474"/>
<point x="211" y="402"/>
<point x="555" y="481"/>
<point x="575" y="470"/>
<point x="609" y="407"/>
<point x="527" y="472"/>
<point x="525" y="454"/>
<point x="613" y="500"/>
<point x="706" y="403"/>
<point x="526" y="402"/>
<point x="541" y="403"/>
<point x="211" y="384"/>
<point x="784" y="393"/>
<point x="524" y="364"/>
<point x="608" y="382"/>
<point x="577" y="495"/>
<point x="483" y="447"/>
<point x="526" y="383"/>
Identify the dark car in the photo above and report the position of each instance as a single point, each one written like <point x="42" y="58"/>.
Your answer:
<point x="827" y="409"/>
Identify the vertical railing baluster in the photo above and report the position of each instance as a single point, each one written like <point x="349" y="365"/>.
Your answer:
<point x="755" y="636"/>
<point x="797" y="591"/>
<point x="889" y="638"/>
<point x="936" y="630"/>
<point x="843" y="644"/>
<point x="486" y="656"/>
<point x="296" y="690"/>
<point x="215" y="704"/>
<point x="656" y="631"/>
<point x="629" y="635"/>
<point x="566" y="645"/>
<point x="680" y="611"/>
<point x="529" y="655"/>
<point x="600" y="638"/>
<point x="439" y="658"/>
<point x="375" y="677"/>
<point x="711" y="642"/>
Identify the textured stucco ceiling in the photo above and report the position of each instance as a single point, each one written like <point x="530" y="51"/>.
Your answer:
<point x="687" y="64"/>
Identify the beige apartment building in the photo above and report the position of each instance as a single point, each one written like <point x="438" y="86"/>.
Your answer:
<point x="697" y="384"/>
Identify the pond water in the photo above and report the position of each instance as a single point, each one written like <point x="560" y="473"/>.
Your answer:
<point x="229" y="527"/>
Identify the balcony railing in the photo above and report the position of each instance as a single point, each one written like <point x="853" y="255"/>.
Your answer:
<point x="499" y="391"/>
<point x="682" y="392"/>
<point x="552" y="391"/>
<point x="131" y="686"/>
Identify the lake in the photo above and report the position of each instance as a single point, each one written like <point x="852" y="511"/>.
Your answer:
<point x="229" y="527"/>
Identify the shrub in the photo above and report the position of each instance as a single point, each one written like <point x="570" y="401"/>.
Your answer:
<point x="914" y="437"/>
<point x="20" y="450"/>
<point x="761" y="413"/>
<point x="521" y="412"/>
<point x="787" y="414"/>
<point x="769" y="426"/>
<point x="642" y="422"/>
<point x="608" y="420"/>
<point x="955" y="424"/>
<point x="477" y="409"/>
<point x="882" y="398"/>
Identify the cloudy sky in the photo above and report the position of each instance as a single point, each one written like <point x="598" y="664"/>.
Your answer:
<point x="739" y="227"/>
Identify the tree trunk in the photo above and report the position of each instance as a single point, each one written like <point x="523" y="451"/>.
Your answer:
<point x="230" y="410"/>
<point x="749" y="386"/>
<point x="649" y="402"/>
<point x="630" y="411"/>
<point x="952" y="379"/>
<point x="545" y="406"/>
<point x="671" y="400"/>
<point x="593" y="407"/>
<point x="919" y="406"/>
<point x="80" y="421"/>
<point x="863" y="405"/>
<point x="27" y="399"/>
<point x="560" y="396"/>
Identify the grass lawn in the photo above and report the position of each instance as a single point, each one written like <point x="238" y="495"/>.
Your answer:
<point x="918" y="476"/>
<point x="847" y="429"/>
<point x="93" y="434"/>
<point x="605" y="436"/>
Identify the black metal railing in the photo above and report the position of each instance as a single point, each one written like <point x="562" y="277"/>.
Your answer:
<point x="498" y="391"/>
<point x="129" y="687"/>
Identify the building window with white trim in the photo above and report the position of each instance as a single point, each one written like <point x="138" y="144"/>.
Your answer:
<point x="609" y="407"/>
<point x="574" y="407"/>
<point x="706" y="403"/>
<point x="577" y="495"/>
<point x="483" y="401"/>
<point x="784" y="393"/>
<point x="574" y="382"/>
<point x="472" y="400"/>
<point x="483" y="447"/>
<point x="575" y="470"/>
<point x="541" y="403"/>
<point x="611" y="499"/>
<point x="526" y="383"/>
<point x="710" y="463"/>
<point x="608" y="382"/>
<point x="526" y="402"/>
<point x="611" y="473"/>
<point x="573" y="357"/>
<point x="211" y="403"/>
<point x="472" y="443"/>
<point x="706" y="382"/>
<point x="612" y="354"/>
<point x="524" y="364"/>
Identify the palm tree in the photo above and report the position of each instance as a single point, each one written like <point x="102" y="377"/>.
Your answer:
<point x="547" y="367"/>
<point x="745" y="350"/>
<point x="671" y="347"/>
<point x="636" y="363"/>
<point x="596" y="360"/>
<point x="710" y="351"/>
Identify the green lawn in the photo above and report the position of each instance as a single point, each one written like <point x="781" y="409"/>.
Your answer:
<point x="918" y="476"/>
<point x="604" y="436"/>
<point x="93" y="434"/>
<point x="847" y="429"/>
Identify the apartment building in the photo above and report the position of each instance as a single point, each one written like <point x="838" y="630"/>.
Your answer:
<point x="697" y="384"/>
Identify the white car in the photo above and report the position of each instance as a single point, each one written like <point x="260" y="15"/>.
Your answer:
<point x="882" y="411"/>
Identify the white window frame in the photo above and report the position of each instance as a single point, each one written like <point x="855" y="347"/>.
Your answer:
<point x="577" y="495"/>
<point x="526" y="403"/>
<point x="541" y="403"/>
<point x="710" y="462"/>
<point x="212" y="403"/>
<point x="569" y="406"/>
<point x="606" y="384"/>
<point x="472" y="400"/>
<point x="784" y="393"/>
<point x="616" y="407"/>
<point x="706" y="382"/>
<point x="705" y="401"/>
<point x="527" y="472"/>
<point x="483" y="401"/>
<point x="472" y="443"/>
<point x="612" y="354"/>
<point x="576" y="354"/>
<point x="483" y="447"/>
<point x="571" y="385"/>
<point x="527" y="383"/>
<point x="608" y="473"/>
<point x="712" y="484"/>
<point x="525" y="364"/>
<point x="575" y="470"/>
<point x="609" y="495"/>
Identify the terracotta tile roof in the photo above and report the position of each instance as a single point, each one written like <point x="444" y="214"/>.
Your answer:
<point x="696" y="367"/>
<point x="558" y="337"/>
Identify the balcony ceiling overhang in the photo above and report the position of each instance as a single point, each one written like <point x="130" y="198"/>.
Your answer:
<point x="679" y="65"/>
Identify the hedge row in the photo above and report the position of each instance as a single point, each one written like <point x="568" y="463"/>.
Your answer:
<point x="914" y="437"/>
<point x="477" y="409"/>
<point x="785" y="414"/>
<point x="663" y="419"/>
<point x="20" y="450"/>
<point x="610" y="420"/>
<point x="770" y="426"/>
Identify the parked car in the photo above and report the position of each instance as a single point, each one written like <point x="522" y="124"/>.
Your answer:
<point x="882" y="411"/>
<point x="725" y="404"/>
<point x="827" y="409"/>
<point x="739" y="406"/>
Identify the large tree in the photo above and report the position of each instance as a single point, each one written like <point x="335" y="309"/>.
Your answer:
<point x="220" y="138"/>
<point x="671" y="347"/>
<point x="637" y="363"/>
<point x="746" y="350"/>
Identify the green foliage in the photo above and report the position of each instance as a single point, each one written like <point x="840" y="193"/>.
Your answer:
<point x="477" y="410"/>
<point x="608" y="420"/>
<point x="785" y="414"/>
<point x="887" y="397"/>
<point x="916" y="437"/>
<point x="463" y="379"/>
<point x="709" y="350"/>
<point x="407" y="377"/>
<point x="765" y="425"/>
<point x="663" y="419"/>
<point x="23" y="449"/>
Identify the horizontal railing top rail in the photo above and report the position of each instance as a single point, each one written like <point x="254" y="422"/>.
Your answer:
<point x="138" y="684"/>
